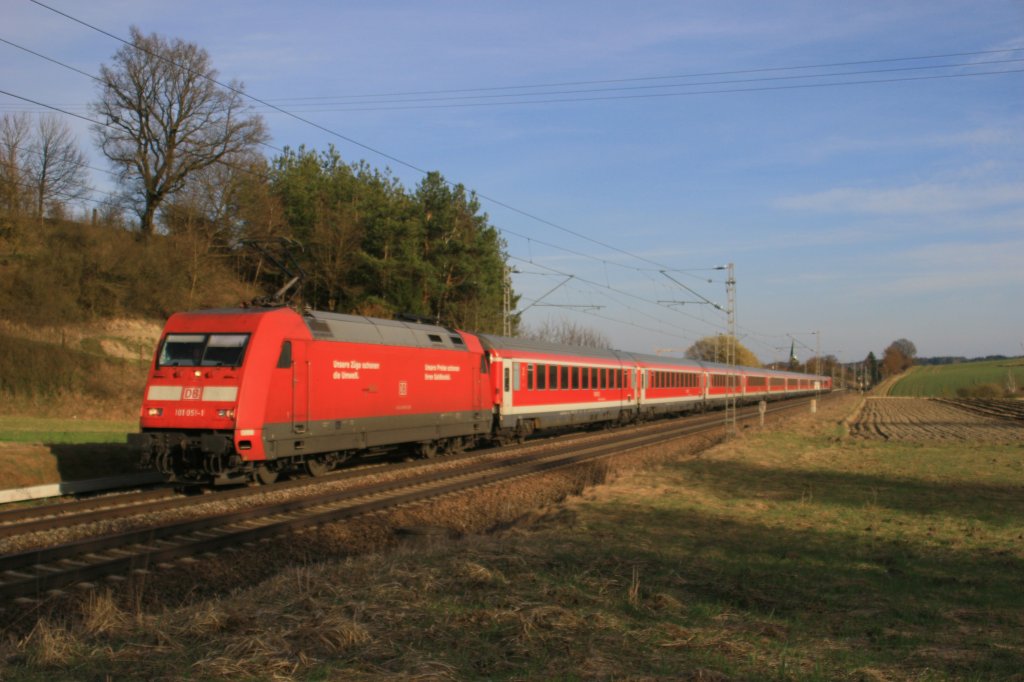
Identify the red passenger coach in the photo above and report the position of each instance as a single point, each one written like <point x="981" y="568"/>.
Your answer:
<point x="237" y="394"/>
<point x="670" y="385"/>
<point x="539" y="385"/>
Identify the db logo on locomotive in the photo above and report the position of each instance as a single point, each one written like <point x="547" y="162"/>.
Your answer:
<point x="192" y="393"/>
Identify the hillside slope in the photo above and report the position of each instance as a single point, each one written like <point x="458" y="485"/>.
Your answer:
<point x="93" y="370"/>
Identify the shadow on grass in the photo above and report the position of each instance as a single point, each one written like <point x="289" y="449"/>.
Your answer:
<point x="1000" y="504"/>
<point x="80" y="461"/>
<point x="838" y="601"/>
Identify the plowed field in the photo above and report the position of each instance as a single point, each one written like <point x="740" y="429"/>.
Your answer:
<point x="925" y="420"/>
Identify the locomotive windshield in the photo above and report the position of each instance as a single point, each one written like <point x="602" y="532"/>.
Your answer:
<point x="203" y="350"/>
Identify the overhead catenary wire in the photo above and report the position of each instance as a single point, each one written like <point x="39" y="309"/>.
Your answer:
<point x="608" y="288"/>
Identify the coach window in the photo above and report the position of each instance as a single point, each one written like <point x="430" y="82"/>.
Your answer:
<point x="565" y="377"/>
<point x="529" y="377"/>
<point x="575" y="377"/>
<point x="542" y="377"/>
<point x="506" y="379"/>
<point x="516" y="376"/>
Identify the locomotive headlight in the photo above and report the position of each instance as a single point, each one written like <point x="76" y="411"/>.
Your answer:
<point x="156" y="412"/>
<point x="226" y="414"/>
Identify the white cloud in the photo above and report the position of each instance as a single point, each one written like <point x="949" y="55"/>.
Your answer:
<point x="922" y="198"/>
<point x="985" y="136"/>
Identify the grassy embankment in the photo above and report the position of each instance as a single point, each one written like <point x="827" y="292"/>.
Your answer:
<point x="789" y="554"/>
<point x="987" y="379"/>
<point x="67" y="399"/>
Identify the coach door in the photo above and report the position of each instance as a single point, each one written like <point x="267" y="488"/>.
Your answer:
<point x="300" y="385"/>
<point x="509" y="381"/>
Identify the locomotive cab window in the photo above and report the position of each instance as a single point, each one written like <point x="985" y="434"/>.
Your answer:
<point x="203" y="350"/>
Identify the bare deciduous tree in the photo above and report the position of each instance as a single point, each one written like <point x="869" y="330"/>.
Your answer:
<point x="55" y="166"/>
<point x="569" y="333"/>
<point x="15" y="134"/>
<point x="166" y="118"/>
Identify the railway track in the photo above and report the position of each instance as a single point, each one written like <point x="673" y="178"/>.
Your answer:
<point x="35" y="572"/>
<point x="44" y="518"/>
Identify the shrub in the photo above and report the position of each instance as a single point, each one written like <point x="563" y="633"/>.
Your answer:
<point x="981" y="391"/>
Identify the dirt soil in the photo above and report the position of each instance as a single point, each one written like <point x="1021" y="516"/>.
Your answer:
<point x="926" y="420"/>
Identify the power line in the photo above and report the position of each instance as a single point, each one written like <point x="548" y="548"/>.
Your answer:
<point x="668" y="77"/>
<point x="321" y="108"/>
<point x="661" y="95"/>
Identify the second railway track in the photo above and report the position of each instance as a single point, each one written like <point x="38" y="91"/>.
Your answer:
<point x="34" y="572"/>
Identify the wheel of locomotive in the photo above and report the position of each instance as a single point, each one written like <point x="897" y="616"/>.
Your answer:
<point x="317" y="466"/>
<point x="455" y="446"/>
<point x="265" y="475"/>
<point x="428" y="449"/>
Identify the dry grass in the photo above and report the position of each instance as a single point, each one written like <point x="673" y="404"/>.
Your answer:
<point x="777" y="556"/>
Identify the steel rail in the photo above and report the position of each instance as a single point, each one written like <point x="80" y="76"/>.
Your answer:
<point x="34" y="572"/>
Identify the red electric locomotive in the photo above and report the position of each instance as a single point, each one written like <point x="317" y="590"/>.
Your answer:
<point x="250" y="393"/>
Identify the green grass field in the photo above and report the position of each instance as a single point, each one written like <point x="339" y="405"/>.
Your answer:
<point x="64" y="431"/>
<point x="40" y="450"/>
<point x="944" y="381"/>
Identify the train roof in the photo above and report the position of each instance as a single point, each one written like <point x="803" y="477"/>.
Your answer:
<point x="494" y="342"/>
<point x="359" y="329"/>
<point x="500" y="343"/>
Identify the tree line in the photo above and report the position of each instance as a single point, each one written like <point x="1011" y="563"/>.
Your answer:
<point x="193" y="188"/>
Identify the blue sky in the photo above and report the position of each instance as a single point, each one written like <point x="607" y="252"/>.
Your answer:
<point x="864" y="212"/>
